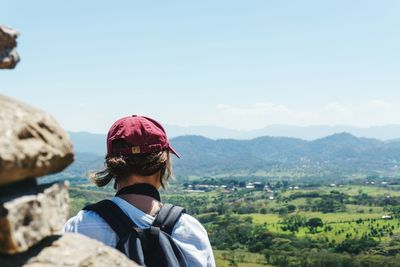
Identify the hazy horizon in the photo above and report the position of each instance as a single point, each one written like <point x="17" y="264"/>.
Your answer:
<point x="384" y="132"/>
<point x="252" y="130"/>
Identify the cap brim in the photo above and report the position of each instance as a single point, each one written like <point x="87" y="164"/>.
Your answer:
<point x="174" y="152"/>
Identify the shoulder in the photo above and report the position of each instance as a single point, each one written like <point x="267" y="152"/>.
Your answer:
<point x="190" y="227"/>
<point x="83" y="219"/>
<point x="92" y="225"/>
<point x="191" y="236"/>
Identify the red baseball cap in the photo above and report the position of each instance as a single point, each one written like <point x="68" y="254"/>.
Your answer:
<point x="142" y="134"/>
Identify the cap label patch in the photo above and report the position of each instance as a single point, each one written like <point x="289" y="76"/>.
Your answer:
<point x="135" y="150"/>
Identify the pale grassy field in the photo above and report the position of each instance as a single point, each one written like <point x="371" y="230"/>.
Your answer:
<point x="356" y="230"/>
<point x="342" y="224"/>
<point x="326" y="217"/>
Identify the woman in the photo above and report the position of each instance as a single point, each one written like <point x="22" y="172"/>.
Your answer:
<point x="138" y="162"/>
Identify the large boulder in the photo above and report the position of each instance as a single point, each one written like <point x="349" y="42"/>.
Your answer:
<point x="32" y="143"/>
<point x="75" y="250"/>
<point x="8" y="43"/>
<point x="68" y="250"/>
<point x="29" y="213"/>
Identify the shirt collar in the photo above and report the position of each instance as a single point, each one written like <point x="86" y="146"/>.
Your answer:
<point x="135" y="214"/>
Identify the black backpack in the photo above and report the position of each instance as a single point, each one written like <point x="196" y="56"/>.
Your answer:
<point x="149" y="247"/>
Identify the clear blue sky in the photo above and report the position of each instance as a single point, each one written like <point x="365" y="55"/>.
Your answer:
<point x="236" y="64"/>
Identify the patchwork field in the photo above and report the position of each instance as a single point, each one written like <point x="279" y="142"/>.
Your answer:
<point x="241" y="220"/>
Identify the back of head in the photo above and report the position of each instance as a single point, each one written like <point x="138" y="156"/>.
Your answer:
<point x="136" y="145"/>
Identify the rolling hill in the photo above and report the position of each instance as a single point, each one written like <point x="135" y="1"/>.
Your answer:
<point x="337" y="155"/>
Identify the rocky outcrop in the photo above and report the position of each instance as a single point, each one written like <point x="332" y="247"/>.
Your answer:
<point x="8" y="53"/>
<point x="30" y="215"/>
<point x="74" y="250"/>
<point x="32" y="143"/>
<point x="68" y="250"/>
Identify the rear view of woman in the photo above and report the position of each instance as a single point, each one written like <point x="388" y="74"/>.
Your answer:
<point x="138" y="164"/>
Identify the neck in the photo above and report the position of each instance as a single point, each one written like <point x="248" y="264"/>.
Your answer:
<point x="141" y="192"/>
<point x="153" y="180"/>
<point x="140" y="189"/>
<point x="146" y="204"/>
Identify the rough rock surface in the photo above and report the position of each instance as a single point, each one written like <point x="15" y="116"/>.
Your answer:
<point x="8" y="53"/>
<point x="25" y="220"/>
<point x="32" y="143"/>
<point x="69" y="250"/>
<point x="75" y="250"/>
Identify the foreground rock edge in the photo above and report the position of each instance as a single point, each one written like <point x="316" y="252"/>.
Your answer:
<point x="77" y="250"/>
<point x="32" y="143"/>
<point x="28" y="219"/>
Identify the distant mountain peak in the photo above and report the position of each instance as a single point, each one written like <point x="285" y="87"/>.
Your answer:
<point x="313" y="132"/>
<point x="336" y="154"/>
<point x="341" y="135"/>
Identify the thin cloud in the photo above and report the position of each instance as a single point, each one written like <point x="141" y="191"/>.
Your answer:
<point x="261" y="114"/>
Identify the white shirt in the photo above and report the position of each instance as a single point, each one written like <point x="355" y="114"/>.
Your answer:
<point x="188" y="233"/>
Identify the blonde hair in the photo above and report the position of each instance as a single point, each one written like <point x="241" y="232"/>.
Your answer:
<point x="123" y="166"/>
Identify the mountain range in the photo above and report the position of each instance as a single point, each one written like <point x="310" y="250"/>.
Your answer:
<point x="384" y="132"/>
<point x="335" y="155"/>
<point x="94" y="143"/>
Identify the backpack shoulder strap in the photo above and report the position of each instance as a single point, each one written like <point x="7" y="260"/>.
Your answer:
<point x="124" y="227"/>
<point x="167" y="217"/>
<point x="114" y="216"/>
